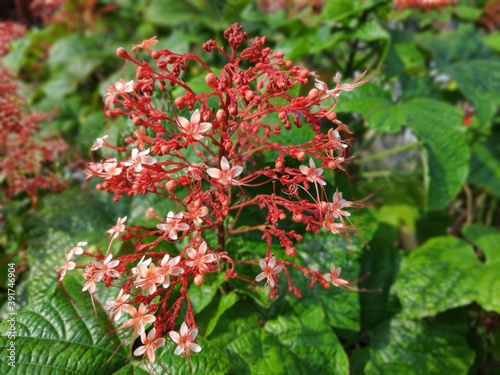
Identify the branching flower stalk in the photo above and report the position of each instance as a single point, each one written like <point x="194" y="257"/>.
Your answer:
<point x="206" y="151"/>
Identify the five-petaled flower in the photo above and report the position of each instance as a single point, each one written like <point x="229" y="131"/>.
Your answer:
<point x="150" y="344"/>
<point x="312" y="173"/>
<point x="116" y="306"/>
<point x="138" y="158"/>
<point x="333" y="276"/>
<point x="106" y="268"/>
<point x="199" y="259"/>
<point x="193" y="128"/>
<point x="119" y="227"/>
<point x="119" y="88"/>
<point x="225" y="175"/>
<point x="168" y="268"/>
<point x="173" y="225"/>
<point x="185" y="340"/>
<point x="269" y="270"/>
<point x="140" y="318"/>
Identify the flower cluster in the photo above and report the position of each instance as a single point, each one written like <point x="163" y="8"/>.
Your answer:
<point x="27" y="161"/>
<point x="220" y="155"/>
<point x="8" y="31"/>
<point x="425" y="4"/>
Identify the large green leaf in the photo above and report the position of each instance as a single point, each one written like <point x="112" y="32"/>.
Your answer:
<point x="60" y="335"/>
<point x="291" y="344"/>
<point x="425" y="347"/>
<point x="438" y="126"/>
<point x="445" y="273"/>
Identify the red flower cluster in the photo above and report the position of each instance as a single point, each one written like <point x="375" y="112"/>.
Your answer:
<point x="425" y="4"/>
<point x="218" y="152"/>
<point x="26" y="160"/>
<point x="8" y="31"/>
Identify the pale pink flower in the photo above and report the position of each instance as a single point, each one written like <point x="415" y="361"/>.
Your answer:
<point x="195" y="171"/>
<point x="142" y="263"/>
<point x="89" y="275"/>
<point x="226" y="175"/>
<point x="140" y="318"/>
<point x="197" y="212"/>
<point x="199" y="259"/>
<point x="137" y="159"/>
<point x="145" y="44"/>
<point x="338" y="203"/>
<point x="148" y="277"/>
<point x="313" y="174"/>
<point x="185" y="340"/>
<point x="106" y="268"/>
<point x="168" y="268"/>
<point x="337" y="142"/>
<point x="150" y="344"/>
<point x="114" y="232"/>
<point x="68" y="266"/>
<point x="116" y="306"/>
<point x="93" y="169"/>
<point x="332" y="226"/>
<point x="77" y="249"/>
<point x="119" y="88"/>
<point x="98" y="143"/>
<point x="193" y="127"/>
<point x="269" y="270"/>
<point x="111" y="169"/>
<point x="333" y="276"/>
<point x="320" y="85"/>
<point x="173" y="225"/>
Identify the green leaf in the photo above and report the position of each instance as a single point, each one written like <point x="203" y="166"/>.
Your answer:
<point x="437" y="276"/>
<point x="438" y="126"/>
<point x="211" y="361"/>
<point x="376" y="106"/>
<point x="479" y="81"/>
<point x="381" y="260"/>
<point x="485" y="238"/>
<point x="226" y="301"/>
<point x="485" y="164"/>
<point x="59" y="335"/>
<point x="291" y="345"/>
<point x="426" y="347"/>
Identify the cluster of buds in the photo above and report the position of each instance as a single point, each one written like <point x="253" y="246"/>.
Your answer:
<point x="218" y="154"/>
<point x="425" y="4"/>
<point x="27" y="161"/>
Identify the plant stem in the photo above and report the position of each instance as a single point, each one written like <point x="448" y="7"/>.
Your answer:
<point x="385" y="153"/>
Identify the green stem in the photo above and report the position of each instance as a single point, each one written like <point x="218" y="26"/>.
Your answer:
<point x="385" y="153"/>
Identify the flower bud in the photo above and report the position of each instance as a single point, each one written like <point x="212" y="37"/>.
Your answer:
<point x="210" y="79"/>
<point x="249" y="94"/>
<point x="301" y="155"/>
<point x="155" y="55"/>
<point x="304" y="73"/>
<point x="221" y="115"/>
<point x="199" y="279"/>
<point x="233" y="110"/>
<point x="170" y="185"/>
<point x="288" y="64"/>
<point x="180" y="102"/>
<point x="313" y="94"/>
<point x="122" y="53"/>
<point x="331" y="116"/>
